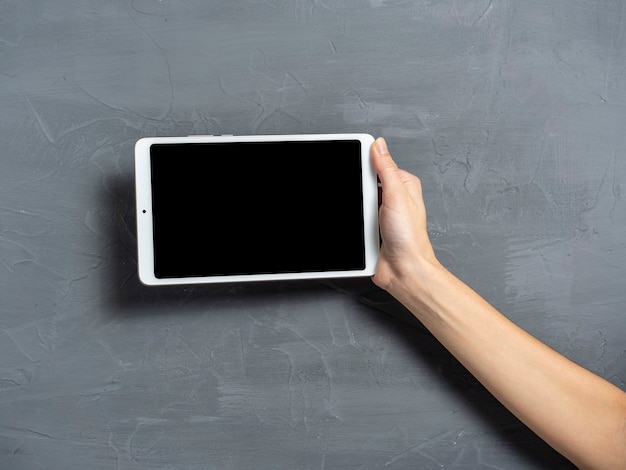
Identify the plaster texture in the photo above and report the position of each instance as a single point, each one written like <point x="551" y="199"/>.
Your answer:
<point x="513" y="114"/>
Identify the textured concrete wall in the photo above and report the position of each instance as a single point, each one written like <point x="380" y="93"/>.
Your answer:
<point x="513" y="113"/>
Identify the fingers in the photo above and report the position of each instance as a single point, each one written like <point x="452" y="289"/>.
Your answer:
<point x="413" y="185"/>
<point x="391" y="177"/>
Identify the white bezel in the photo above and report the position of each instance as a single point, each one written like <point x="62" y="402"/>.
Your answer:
<point x="144" y="208"/>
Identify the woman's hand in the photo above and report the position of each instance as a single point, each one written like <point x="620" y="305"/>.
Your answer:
<point x="406" y="249"/>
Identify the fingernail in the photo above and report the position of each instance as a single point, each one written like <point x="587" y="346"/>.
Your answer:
<point x="381" y="146"/>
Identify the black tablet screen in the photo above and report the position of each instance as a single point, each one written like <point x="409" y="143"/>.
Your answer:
<point x="256" y="208"/>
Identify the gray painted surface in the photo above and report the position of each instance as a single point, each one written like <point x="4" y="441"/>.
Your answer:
<point x="512" y="113"/>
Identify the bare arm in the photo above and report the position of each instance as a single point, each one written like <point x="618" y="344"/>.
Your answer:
<point x="578" y="413"/>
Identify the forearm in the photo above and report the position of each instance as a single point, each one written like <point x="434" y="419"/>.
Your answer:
<point x="580" y="414"/>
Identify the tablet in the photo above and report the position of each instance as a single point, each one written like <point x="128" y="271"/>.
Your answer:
<point x="255" y="208"/>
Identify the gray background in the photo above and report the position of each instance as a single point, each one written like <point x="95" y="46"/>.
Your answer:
<point x="512" y="113"/>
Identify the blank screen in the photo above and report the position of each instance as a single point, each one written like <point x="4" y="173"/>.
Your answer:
<point x="256" y="208"/>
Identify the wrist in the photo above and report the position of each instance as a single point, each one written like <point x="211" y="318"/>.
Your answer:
<point x="420" y="285"/>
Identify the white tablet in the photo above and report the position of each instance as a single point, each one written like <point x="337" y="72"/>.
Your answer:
<point x="254" y="208"/>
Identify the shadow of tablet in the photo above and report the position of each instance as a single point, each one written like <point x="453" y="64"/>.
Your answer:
<point x="125" y="295"/>
<point x="123" y="292"/>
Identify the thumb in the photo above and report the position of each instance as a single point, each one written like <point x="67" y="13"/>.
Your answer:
<point x="388" y="172"/>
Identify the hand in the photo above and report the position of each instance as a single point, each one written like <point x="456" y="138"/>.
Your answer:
<point x="406" y="249"/>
